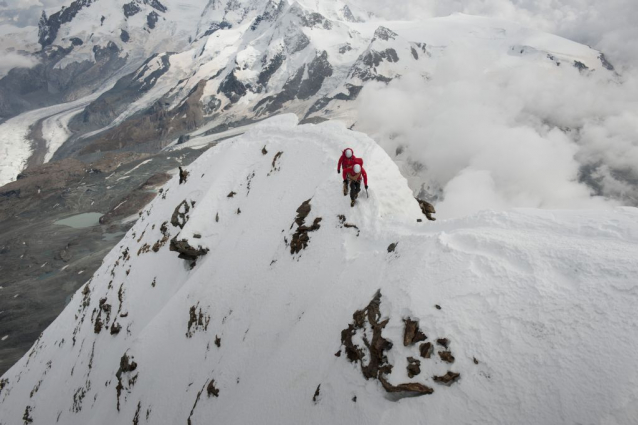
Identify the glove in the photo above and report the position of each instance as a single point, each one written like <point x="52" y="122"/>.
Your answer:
<point x="338" y="171"/>
<point x="366" y="187"/>
<point x="345" y="181"/>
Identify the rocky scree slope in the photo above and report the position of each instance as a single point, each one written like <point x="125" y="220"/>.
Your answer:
<point x="251" y="291"/>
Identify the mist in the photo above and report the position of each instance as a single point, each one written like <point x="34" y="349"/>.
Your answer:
<point x="12" y="60"/>
<point x="502" y="134"/>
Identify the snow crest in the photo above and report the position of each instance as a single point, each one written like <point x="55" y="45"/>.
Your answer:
<point x="537" y="306"/>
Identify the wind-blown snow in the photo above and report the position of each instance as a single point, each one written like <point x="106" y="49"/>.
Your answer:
<point x="543" y="300"/>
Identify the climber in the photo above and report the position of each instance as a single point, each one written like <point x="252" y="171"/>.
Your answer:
<point x="353" y="175"/>
<point x="347" y="160"/>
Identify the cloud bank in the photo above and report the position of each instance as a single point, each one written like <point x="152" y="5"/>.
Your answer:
<point x="12" y="60"/>
<point x="496" y="136"/>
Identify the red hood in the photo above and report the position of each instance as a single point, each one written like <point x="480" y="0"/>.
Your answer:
<point x="343" y="154"/>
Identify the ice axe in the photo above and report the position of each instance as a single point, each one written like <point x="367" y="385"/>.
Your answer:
<point x="367" y="194"/>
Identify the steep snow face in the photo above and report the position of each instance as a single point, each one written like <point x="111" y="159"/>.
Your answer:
<point x="534" y="310"/>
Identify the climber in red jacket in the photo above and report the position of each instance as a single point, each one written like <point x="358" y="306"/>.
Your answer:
<point x="353" y="175"/>
<point x="347" y="160"/>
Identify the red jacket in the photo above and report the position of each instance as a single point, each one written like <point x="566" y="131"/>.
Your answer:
<point x="348" y="173"/>
<point x="345" y="162"/>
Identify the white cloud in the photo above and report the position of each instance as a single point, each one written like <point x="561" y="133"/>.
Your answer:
<point x="493" y="135"/>
<point x="12" y="60"/>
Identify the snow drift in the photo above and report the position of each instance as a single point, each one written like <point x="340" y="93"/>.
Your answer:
<point x="533" y="309"/>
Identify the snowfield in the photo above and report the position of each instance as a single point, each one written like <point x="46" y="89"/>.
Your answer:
<point x="538" y="307"/>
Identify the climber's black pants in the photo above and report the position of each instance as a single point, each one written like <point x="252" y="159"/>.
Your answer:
<point x="355" y="188"/>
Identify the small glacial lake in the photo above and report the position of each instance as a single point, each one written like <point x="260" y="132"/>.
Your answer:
<point x="81" y="221"/>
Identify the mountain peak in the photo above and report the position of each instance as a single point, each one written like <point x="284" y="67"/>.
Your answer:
<point x="386" y="34"/>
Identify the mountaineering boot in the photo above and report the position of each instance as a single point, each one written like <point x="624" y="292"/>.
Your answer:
<point x="345" y="188"/>
<point x="352" y="203"/>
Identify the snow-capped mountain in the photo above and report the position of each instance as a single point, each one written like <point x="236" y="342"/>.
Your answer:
<point x="160" y="69"/>
<point x="251" y="292"/>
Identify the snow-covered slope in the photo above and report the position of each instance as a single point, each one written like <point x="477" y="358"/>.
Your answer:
<point x="537" y="307"/>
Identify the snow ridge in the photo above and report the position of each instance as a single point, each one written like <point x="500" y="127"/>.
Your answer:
<point x="244" y="331"/>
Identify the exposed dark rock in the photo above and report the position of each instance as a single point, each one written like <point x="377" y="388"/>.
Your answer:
<point x="365" y="67"/>
<point x="197" y="321"/>
<point x="76" y="41"/>
<point x="126" y="367"/>
<point x="300" y="238"/>
<point x="384" y="33"/>
<point x="353" y="93"/>
<point x="447" y="379"/>
<point x="271" y="13"/>
<point x="183" y="175"/>
<point x="345" y="48"/>
<point x="392" y="246"/>
<point x="124" y="36"/>
<point x="186" y="251"/>
<point x="48" y="27"/>
<point x="476" y="361"/>
<point x="606" y="64"/>
<point x="348" y="15"/>
<point x="264" y="151"/>
<point x="288" y="93"/>
<point x="156" y="4"/>
<point x="269" y="70"/>
<point x="426" y="350"/>
<point x="580" y="66"/>
<point x="444" y="342"/>
<point x="183" y="139"/>
<point x="115" y="328"/>
<point x="318" y="106"/>
<point x="180" y="215"/>
<point x="376" y="345"/>
<point x="27" y="415"/>
<point x="216" y="26"/>
<point x="412" y="334"/>
<point x="410" y="389"/>
<point x="414" y="367"/>
<point x="218" y="341"/>
<point x="131" y="9"/>
<point x="315" y="398"/>
<point x="275" y="162"/>
<point x="438" y="307"/>
<point x="316" y="20"/>
<point x="427" y="209"/>
<point x="231" y="194"/>
<point x="232" y="88"/>
<point x="446" y="356"/>
<point x="151" y="19"/>
<point x="211" y="390"/>
<point x="105" y="309"/>
<point x="3" y="384"/>
<point x="318" y="70"/>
